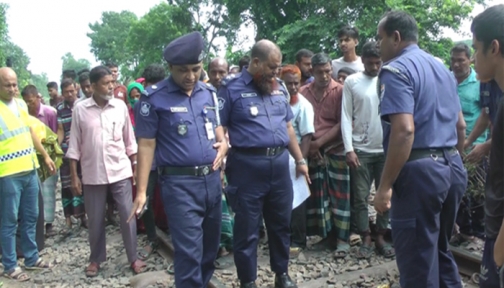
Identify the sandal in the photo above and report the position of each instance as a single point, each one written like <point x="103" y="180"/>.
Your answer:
<point x="342" y="251"/>
<point x="39" y="265"/>
<point x="294" y="251"/>
<point x="222" y="263"/>
<point x="92" y="269"/>
<point x="17" y="274"/>
<point x="355" y="239"/>
<point x="386" y="250"/>
<point x="144" y="254"/>
<point x="171" y="269"/>
<point x="138" y="266"/>
<point x="365" y="252"/>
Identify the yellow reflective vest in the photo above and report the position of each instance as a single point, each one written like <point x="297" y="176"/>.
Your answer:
<point x="17" y="153"/>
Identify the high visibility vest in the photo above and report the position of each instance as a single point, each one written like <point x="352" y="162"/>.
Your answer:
<point x="17" y="153"/>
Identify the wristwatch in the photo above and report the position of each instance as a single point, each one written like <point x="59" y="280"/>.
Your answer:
<point x="301" y="162"/>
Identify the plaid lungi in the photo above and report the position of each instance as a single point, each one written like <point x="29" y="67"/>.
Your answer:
<point x="226" y="226"/>
<point x="328" y="206"/>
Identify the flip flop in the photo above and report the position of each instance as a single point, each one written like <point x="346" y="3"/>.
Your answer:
<point x="355" y="239"/>
<point x="386" y="250"/>
<point x="365" y="252"/>
<point x="92" y="269"/>
<point x="171" y="269"/>
<point x="17" y="274"/>
<point x="342" y="251"/>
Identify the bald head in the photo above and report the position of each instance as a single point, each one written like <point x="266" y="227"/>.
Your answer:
<point x="217" y="70"/>
<point x="263" y="49"/>
<point x="266" y="60"/>
<point x="8" y="84"/>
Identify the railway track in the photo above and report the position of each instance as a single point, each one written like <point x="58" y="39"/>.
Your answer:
<point x="166" y="250"/>
<point x="468" y="263"/>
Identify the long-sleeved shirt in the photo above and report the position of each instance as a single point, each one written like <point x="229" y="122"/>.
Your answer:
<point x="48" y="116"/>
<point x="360" y="119"/>
<point x="102" y="139"/>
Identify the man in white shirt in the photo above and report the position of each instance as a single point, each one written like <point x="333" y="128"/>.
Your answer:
<point x="303" y="123"/>
<point x="348" y="39"/>
<point x="362" y="137"/>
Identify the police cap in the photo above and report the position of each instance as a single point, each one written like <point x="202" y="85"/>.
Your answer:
<point x="185" y="50"/>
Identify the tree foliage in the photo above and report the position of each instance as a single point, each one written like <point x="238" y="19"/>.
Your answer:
<point x="108" y="37"/>
<point x="148" y="36"/>
<point x="70" y="63"/>
<point x="296" y="24"/>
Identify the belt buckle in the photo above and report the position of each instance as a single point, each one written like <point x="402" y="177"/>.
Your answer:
<point x="272" y="151"/>
<point x="205" y="170"/>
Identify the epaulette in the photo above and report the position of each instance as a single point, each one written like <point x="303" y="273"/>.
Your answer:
<point x="395" y="71"/>
<point x="150" y="90"/>
<point x="230" y="78"/>
<point x="210" y="87"/>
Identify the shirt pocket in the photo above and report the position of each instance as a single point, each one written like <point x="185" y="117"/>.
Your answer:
<point x="116" y="132"/>
<point x="250" y="107"/>
<point x="181" y="124"/>
<point x="279" y="105"/>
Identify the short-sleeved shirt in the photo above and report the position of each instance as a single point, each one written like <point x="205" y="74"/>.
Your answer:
<point x="339" y="63"/>
<point x="416" y="83"/>
<point x="253" y="120"/>
<point x="303" y="117"/>
<point x="327" y="112"/>
<point x="64" y="111"/>
<point x="490" y="97"/>
<point x="177" y="122"/>
<point x="469" y="94"/>
<point x="494" y="192"/>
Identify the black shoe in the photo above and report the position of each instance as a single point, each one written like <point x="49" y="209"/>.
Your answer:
<point x="248" y="285"/>
<point x="284" y="281"/>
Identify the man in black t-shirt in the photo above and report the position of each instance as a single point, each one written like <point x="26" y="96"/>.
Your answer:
<point x="488" y="42"/>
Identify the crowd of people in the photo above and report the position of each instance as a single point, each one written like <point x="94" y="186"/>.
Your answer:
<point x="224" y="147"/>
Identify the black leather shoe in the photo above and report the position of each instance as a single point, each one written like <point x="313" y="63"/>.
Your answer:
<point x="284" y="281"/>
<point x="248" y="285"/>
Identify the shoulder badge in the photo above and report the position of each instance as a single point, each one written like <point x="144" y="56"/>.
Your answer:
<point x="228" y="78"/>
<point x="210" y="87"/>
<point x="395" y="71"/>
<point x="150" y="90"/>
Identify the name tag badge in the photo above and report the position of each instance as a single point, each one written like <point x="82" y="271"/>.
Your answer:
<point x="276" y="92"/>
<point x="178" y="109"/>
<point x="209" y="131"/>
<point x="248" y="95"/>
<point x="254" y="111"/>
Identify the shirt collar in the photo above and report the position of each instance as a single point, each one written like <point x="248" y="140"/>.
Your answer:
<point x="333" y="84"/>
<point x="246" y="76"/>
<point x="407" y="49"/>
<point x="471" y="78"/>
<point x="89" y="102"/>
<point x="173" y="87"/>
<point x="41" y="111"/>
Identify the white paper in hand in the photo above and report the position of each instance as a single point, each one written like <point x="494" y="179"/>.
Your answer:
<point x="299" y="185"/>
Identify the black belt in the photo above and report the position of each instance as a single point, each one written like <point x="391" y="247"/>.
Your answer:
<point x="417" y="154"/>
<point x="188" y="171"/>
<point x="270" y="151"/>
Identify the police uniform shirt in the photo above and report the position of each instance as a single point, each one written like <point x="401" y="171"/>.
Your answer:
<point x="415" y="83"/>
<point x="252" y="119"/>
<point x="178" y="122"/>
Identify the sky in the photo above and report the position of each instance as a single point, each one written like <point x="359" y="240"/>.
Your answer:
<point x="46" y="31"/>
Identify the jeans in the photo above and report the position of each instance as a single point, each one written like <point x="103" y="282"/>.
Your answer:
<point x="19" y="196"/>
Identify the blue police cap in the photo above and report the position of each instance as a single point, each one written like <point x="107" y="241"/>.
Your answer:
<point x="185" y="50"/>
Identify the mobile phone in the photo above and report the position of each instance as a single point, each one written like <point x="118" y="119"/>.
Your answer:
<point x="143" y="209"/>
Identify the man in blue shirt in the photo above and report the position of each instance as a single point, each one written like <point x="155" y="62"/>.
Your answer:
<point x="178" y="121"/>
<point x="253" y="106"/>
<point x="488" y="42"/>
<point x="423" y="179"/>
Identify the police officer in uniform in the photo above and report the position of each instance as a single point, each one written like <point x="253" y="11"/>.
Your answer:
<point x="178" y="124"/>
<point x="253" y="107"/>
<point x="423" y="179"/>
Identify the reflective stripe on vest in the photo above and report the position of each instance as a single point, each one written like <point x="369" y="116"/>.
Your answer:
<point x="16" y="154"/>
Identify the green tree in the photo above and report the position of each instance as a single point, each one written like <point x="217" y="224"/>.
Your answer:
<point x="19" y="61"/>
<point x="40" y="81"/>
<point x="211" y="18"/>
<point x="296" y="24"/>
<point x="70" y="63"/>
<point x="108" y="37"/>
<point x="148" y="36"/>
<point x="3" y="32"/>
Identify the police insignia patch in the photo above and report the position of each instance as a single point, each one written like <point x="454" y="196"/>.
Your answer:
<point x="382" y="91"/>
<point x="221" y="102"/>
<point x="145" y="109"/>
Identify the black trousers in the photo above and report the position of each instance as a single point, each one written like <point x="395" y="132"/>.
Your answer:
<point x="298" y="226"/>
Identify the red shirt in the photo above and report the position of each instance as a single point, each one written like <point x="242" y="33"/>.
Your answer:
<point x="120" y="92"/>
